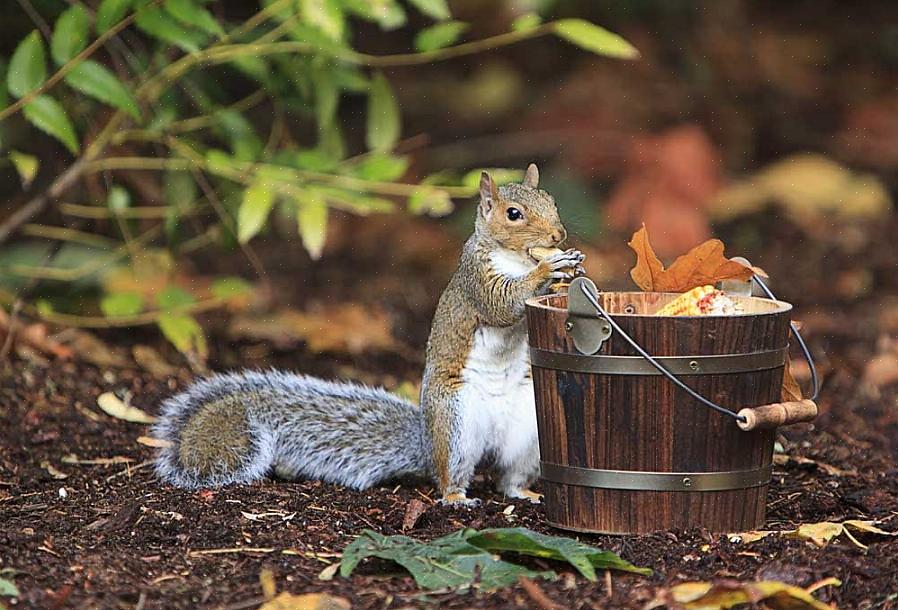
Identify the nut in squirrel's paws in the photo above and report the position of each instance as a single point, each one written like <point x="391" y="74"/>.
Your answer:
<point x="565" y="264"/>
<point x="459" y="500"/>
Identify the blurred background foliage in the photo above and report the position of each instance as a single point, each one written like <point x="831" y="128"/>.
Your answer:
<point x="164" y="159"/>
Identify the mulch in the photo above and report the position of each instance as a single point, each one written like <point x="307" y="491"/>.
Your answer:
<point x="107" y="534"/>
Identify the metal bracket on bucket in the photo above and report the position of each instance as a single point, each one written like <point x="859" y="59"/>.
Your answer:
<point x="587" y="331"/>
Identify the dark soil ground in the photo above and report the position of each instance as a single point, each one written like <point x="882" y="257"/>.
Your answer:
<point x="109" y="535"/>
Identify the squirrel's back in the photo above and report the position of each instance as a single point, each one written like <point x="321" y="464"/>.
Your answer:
<point x="238" y="427"/>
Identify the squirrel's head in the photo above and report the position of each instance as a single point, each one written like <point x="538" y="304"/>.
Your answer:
<point x="519" y="216"/>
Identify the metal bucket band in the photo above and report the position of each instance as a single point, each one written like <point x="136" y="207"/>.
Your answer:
<point x="678" y="365"/>
<point x="655" y="481"/>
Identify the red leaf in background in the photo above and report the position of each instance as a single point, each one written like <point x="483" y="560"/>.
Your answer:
<point x="668" y="182"/>
<point x="870" y="134"/>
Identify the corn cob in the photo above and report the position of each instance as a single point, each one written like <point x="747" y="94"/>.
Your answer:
<point x="689" y="303"/>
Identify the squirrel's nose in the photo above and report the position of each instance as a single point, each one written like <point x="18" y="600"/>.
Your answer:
<point x="559" y="235"/>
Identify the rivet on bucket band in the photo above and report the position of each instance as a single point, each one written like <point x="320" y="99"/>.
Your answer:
<point x="678" y="365"/>
<point x="655" y="481"/>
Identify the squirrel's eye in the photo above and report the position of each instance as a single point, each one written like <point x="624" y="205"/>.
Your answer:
<point x="513" y="214"/>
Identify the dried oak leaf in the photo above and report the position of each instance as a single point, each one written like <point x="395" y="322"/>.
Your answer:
<point x="306" y="601"/>
<point x="702" y="265"/>
<point x="723" y="594"/>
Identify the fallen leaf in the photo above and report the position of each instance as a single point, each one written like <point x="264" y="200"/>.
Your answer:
<point x="267" y="582"/>
<point x="882" y="370"/>
<point x="820" y="534"/>
<point x="413" y="512"/>
<point x="149" y="441"/>
<point x="151" y="361"/>
<point x="790" y="391"/>
<point x="346" y="328"/>
<point x="783" y="460"/>
<point x="114" y="406"/>
<point x="722" y="594"/>
<point x="307" y="601"/>
<point x="808" y="186"/>
<point x="702" y="265"/>
<point x="56" y="474"/>
<point x="329" y="572"/>
<point x="87" y="347"/>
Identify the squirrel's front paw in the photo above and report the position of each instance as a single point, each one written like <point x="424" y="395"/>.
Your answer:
<point x="565" y="265"/>
<point x="459" y="500"/>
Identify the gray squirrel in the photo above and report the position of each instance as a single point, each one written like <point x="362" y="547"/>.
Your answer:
<point x="477" y="397"/>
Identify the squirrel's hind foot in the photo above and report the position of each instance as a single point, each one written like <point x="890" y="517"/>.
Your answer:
<point x="523" y="493"/>
<point x="459" y="500"/>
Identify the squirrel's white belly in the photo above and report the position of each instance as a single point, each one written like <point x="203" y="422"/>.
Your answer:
<point x="498" y="394"/>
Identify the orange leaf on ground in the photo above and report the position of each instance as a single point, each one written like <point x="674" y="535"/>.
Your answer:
<point x="704" y="264"/>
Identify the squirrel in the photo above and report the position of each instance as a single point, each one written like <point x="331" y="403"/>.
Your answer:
<point x="477" y="399"/>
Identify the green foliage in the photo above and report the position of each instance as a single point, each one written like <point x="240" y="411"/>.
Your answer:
<point x="111" y="12"/>
<point x="165" y="109"/>
<point x="467" y="556"/>
<point x="526" y="22"/>
<point x="69" y="35"/>
<point x="8" y="588"/>
<point x="383" y="115"/>
<point x="435" y="9"/>
<point x="47" y="114"/>
<point x="258" y="200"/>
<point x="120" y="304"/>
<point x="593" y="38"/>
<point x="28" y="65"/>
<point x="96" y="81"/>
<point x="229" y="287"/>
<point x="185" y="333"/>
<point x="311" y="218"/>
<point x="439" y="35"/>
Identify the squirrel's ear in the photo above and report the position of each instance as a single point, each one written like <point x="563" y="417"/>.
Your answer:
<point x="531" y="178"/>
<point x="488" y="193"/>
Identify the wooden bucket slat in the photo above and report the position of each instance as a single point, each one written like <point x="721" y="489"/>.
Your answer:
<point x="645" y="423"/>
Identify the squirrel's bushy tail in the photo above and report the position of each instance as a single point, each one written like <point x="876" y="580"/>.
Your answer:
<point x="238" y="427"/>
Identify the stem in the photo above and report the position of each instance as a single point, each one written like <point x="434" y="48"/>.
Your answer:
<point x="149" y="317"/>
<point x="67" y="234"/>
<point x="140" y="212"/>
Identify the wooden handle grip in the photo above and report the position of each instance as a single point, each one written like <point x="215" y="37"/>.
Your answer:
<point x="778" y="414"/>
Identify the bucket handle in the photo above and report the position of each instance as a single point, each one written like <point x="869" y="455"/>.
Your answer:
<point x="766" y="416"/>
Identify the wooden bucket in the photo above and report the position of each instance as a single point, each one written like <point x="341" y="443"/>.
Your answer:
<point x="622" y="449"/>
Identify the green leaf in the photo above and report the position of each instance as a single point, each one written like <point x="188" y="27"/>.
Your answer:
<point x="189" y="13"/>
<point x="430" y="201"/>
<point x="594" y="38"/>
<point x="311" y="219"/>
<point x="229" y="287"/>
<point x="95" y="80"/>
<point x="26" y="166"/>
<point x="449" y="562"/>
<point x="526" y="542"/>
<point x="174" y="298"/>
<point x="47" y="114"/>
<point x="111" y="12"/>
<point x="258" y="199"/>
<point x="382" y="167"/>
<point x="118" y="200"/>
<point x="383" y="115"/>
<point x="4" y="95"/>
<point x="27" y="67"/>
<point x="435" y="9"/>
<point x="526" y="22"/>
<point x="313" y="159"/>
<point x="8" y="588"/>
<point x="388" y="14"/>
<point x="325" y="15"/>
<point x="327" y="94"/>
<point x="439" y="35"/>
<point x="69" y="34"/>
<point x="120" y="304"/>
<point x="185" y="334"/>
<point x="160" y="25"/>
<point x="245" y="144"/>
